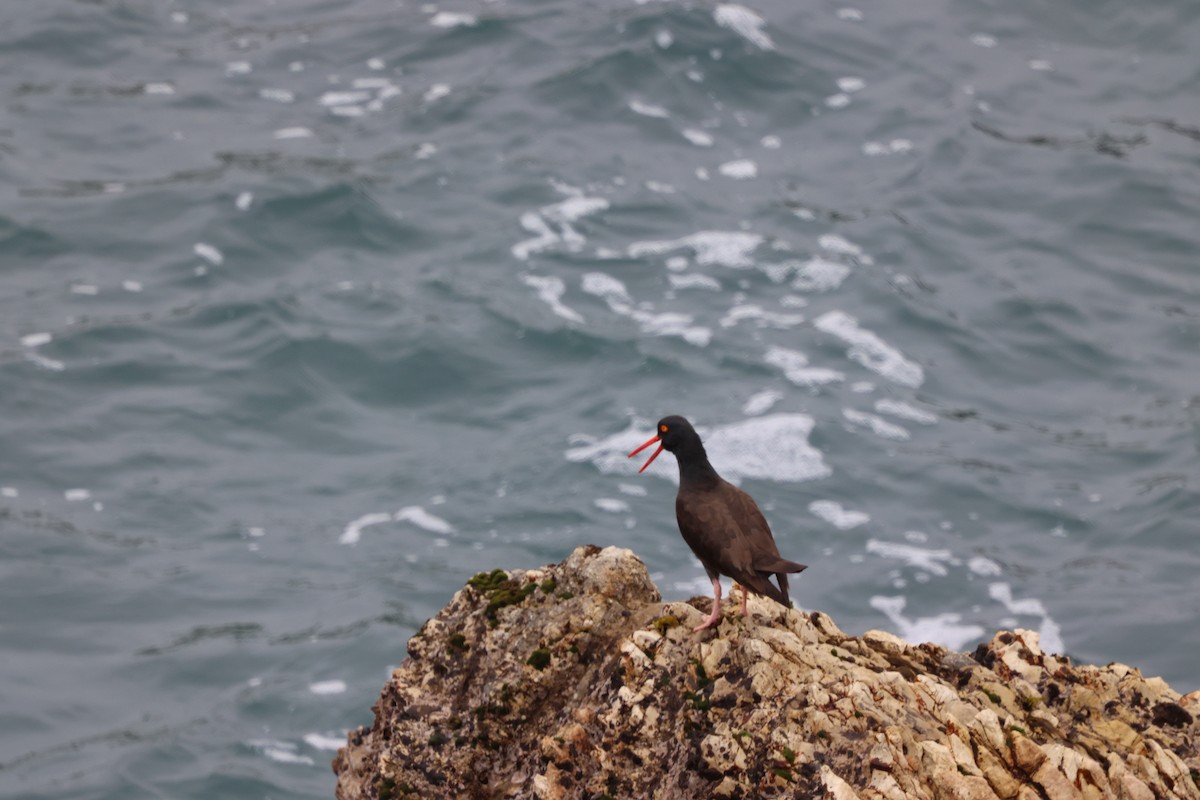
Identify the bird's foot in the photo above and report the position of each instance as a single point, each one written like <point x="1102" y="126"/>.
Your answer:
<point x="712" y="620"/>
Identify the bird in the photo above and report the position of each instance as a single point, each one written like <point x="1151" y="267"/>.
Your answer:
<point x="720" y="523"/>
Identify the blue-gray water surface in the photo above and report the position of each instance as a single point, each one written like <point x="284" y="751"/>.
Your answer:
<point x="311" y="310"/>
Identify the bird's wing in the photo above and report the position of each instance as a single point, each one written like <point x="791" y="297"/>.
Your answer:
<point x="726" y="530"/>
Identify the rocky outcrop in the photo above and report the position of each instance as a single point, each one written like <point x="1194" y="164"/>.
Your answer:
<point x="577" y="681"/>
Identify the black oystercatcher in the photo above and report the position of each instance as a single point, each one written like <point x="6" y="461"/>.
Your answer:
<point x="720" y="522"/>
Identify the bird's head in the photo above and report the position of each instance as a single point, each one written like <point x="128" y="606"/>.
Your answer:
<point x="674" y="432"/>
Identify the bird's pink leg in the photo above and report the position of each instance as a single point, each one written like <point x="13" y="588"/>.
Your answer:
<point x="716" y="609"/>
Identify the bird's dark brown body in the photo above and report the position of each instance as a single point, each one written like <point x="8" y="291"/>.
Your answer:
<point x="720" y="523"/>
<point x="727" y="532"/>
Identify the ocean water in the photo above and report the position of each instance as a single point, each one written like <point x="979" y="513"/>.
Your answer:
<point x="311" y="310"/>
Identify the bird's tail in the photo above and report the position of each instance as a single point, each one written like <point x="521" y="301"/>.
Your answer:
<point x="779" y="567"/>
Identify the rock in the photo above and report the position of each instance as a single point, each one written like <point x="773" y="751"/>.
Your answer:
<point x="574" y="681"/>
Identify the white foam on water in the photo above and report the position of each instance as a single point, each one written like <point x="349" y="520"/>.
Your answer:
<point x="794" y="366"/>
<point x="544" y="239"/>
<point x="839" y="100"/>
<point x="574" y="208"/>
<point x="423" y="519"/>
<point x="614" y="293"/>
<point x="77" y="495"/>
<point x="944" y="629"/>
<point x="664" y="39"/>
<point x="659" y="187"/>
<point x="611" y="505"/>
<point x="347" y="111"/>
<point x="633" y="489"/>
<point x="851" y="14"/>
<point x="451" y="19"/>
<point x="648" y="109"/>
<point x="887" y="148"/>
<point x="739" y="169"/>
<point x="562" y="213"/>
<point x="1040" y="65"/>
<point x="773" y="447"/>
<point x="328" y="687"/>
<point x="779" y="272"/>
<point x="209" y="253"/>
<point x="983" y="40"/>
<point x="243" y="201"/>
<point x="759" y="315"/>
<point x="343" y="98"/>
<point x="724" y="248"/>
<point x="36" y="339"/>
<point x="983" y="566"/>
<point x="862" y="387"/>
<point x="37" y="359"/>
<point x="670" y="323"/>
<point x="878" y="425"/>
<point x="425" y="150"/>
<point x="283" y="752"/>
<point x="922" y="558"/>
<point x="819" y="275"/>
<point x="744" y="23"/>
<point x="436" y="92"/>
<point x="1049" y="630"/>
<point x="277" y="95"/>
<point x="550" y="289"/>
<point x="697" y="137"/>
<point x="238" y="68"/>
<point x="868" y="349"/>
<point x="372" y="83"/>
<point x="9" y="491"/>
<point x="841" y="518"/>
<point x="376" y="63"/>
<point x="842" y="246"/>
<point x="353" y="531"/>
<point x="898" y="408"/>
<point x="771" y="142"/>
<point x="321" y="741"/>
<point x="694" y="281"/>
<point x="158" y="88"/>
<point x="761" y="402"/>
<point x="851" y="84"/>
<point x="179" y="17"/>
<point x="605" y="286"/>
<point x="297" y="132"/>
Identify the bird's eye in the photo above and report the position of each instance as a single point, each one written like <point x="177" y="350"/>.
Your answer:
<point x="662" y="428"/>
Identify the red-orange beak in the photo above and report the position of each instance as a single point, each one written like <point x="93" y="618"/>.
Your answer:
<point x="643" y="447"/>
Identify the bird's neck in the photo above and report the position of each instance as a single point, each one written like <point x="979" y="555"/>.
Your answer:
<point x="694" y="469"/>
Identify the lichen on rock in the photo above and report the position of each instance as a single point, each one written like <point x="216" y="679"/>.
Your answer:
<point x="593" y="687"/>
